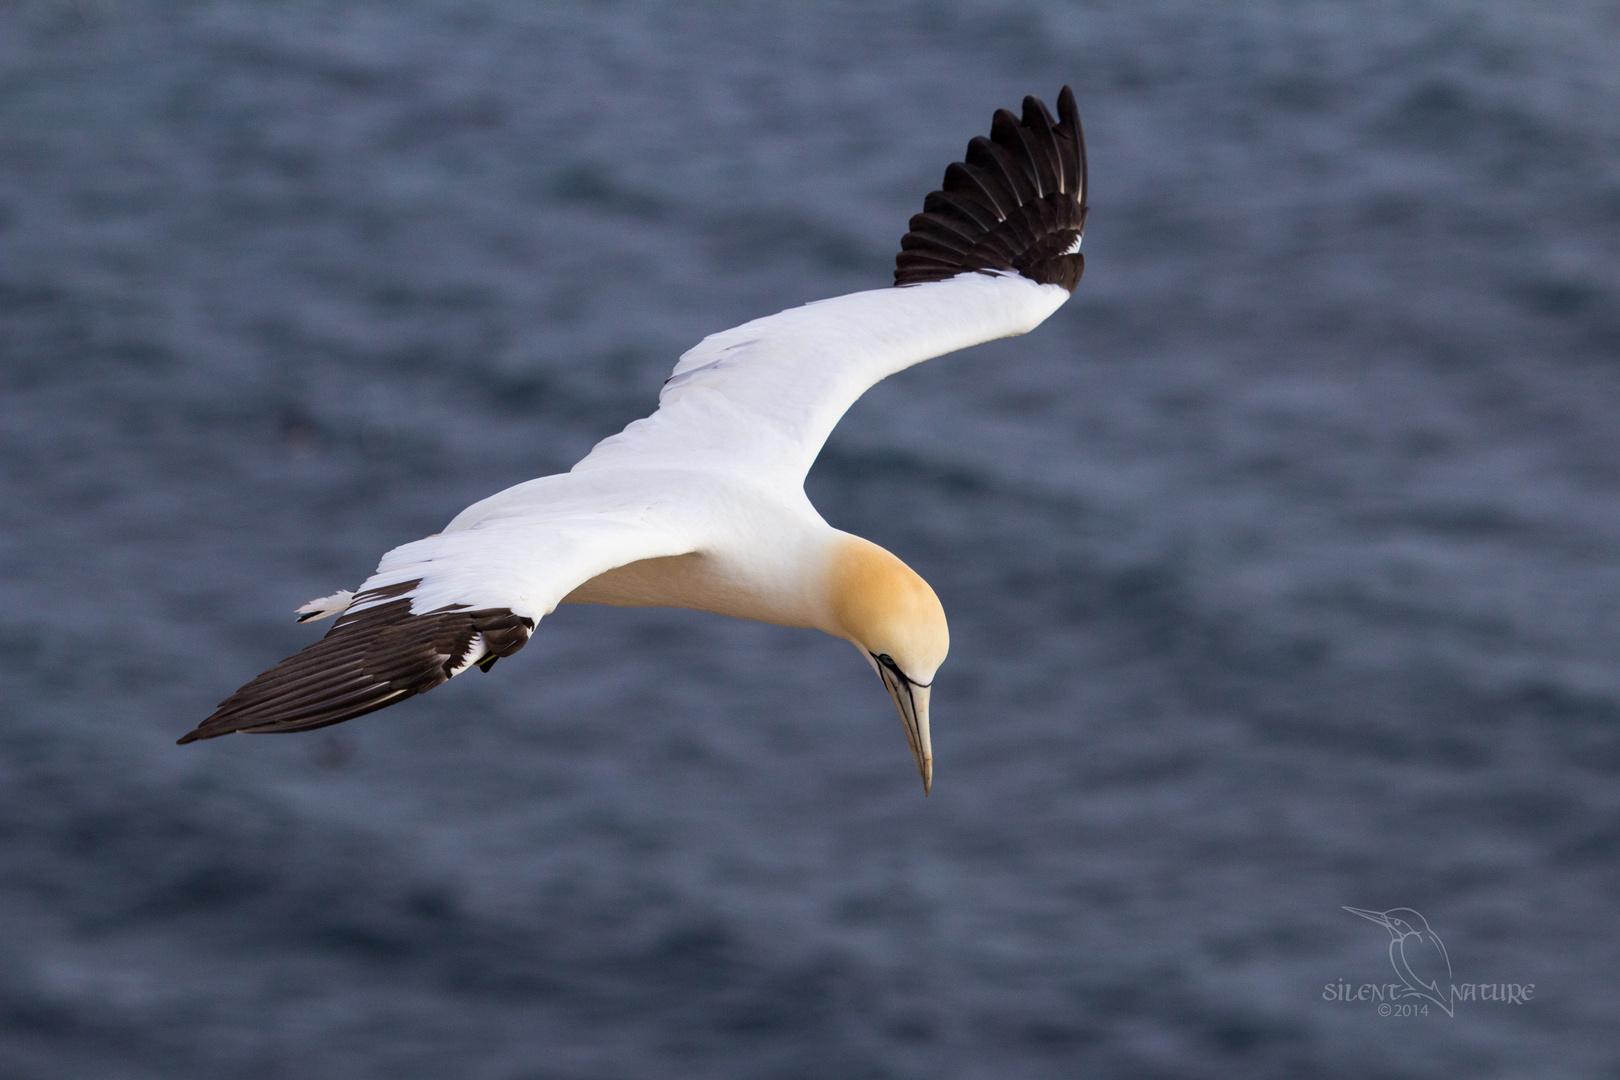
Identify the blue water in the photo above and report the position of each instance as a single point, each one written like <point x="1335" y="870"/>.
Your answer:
<point x="1283" y="563"/>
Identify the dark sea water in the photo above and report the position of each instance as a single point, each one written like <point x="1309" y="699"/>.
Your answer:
<point x="1283" y="563"/>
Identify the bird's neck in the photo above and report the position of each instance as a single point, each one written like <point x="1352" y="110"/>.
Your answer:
<point x="821" y="579"/>
<point x="785" y="582"/>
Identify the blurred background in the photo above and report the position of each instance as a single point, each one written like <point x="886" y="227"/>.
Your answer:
<point x="1283" y="563"/>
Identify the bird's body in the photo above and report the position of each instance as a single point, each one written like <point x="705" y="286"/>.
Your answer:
<point x="702" y="504"/>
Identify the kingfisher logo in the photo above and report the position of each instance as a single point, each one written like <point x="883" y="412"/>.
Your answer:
<point x="1423" y="967"/>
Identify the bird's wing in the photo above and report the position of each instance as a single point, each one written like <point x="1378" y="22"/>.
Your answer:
<point x="470" y="595"/>
<point x="992" y="255"/>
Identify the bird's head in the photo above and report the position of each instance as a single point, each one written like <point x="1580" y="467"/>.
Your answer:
<point x="1404" y="921"/>
<point x="1389" y="920"/>
<point x="1400" y="922"/>
<point x="895" y="619"/>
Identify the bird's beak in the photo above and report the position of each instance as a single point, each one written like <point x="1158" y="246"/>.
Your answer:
<point x="911" y="699"/>
<point x="1375" y="916"/>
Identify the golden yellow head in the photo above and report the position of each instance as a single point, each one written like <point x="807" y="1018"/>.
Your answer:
<point x="895" y="618"/>
<point x="886" y="609"/>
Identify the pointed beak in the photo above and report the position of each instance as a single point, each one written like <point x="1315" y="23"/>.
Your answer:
<point x="911" y="700"/>
<point x="1375" y="916"/>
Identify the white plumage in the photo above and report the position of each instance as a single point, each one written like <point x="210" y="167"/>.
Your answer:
<point x="720" y="467"/>
<point x="702" y="504"/>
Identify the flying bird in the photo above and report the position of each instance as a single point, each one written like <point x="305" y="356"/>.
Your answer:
<point x="702" y="504"/>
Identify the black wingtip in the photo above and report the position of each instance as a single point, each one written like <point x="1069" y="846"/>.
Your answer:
<point x="370" y="659"/>
<point x="1069" y="121"/>
<point x="1017" y="202"/>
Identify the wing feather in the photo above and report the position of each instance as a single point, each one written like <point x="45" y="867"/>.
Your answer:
<point x="1030" y="176"/>
<point x="758" y="401"/>
<point x="439" y="606"/>
<point x="991" y="255"/>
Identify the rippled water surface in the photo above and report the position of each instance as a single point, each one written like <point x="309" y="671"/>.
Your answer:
<point x="1281" y="562"/>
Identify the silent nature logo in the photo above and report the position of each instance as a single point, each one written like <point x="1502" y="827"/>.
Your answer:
<point x="1424" y="969"/>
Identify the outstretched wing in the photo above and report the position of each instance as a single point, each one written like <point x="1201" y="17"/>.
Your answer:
<point x="992" y="255"/>
<point x="466" y="597"/>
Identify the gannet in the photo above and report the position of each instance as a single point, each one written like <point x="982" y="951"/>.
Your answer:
<point x="702" y="504"/>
